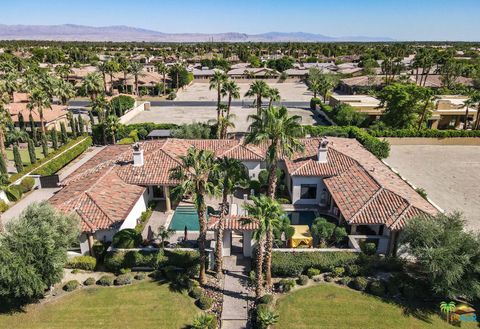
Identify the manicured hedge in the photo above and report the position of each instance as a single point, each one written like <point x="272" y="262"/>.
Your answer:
<point x="377" y="147"/>
<point x="87" y="263"/>
<point x="59" y="162"/>
<point x="122" y="104"/>
<point x="293" y="264"/>
<point x="423" y="133"/>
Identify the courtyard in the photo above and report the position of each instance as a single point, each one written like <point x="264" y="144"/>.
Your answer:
<point x="188" y="114"/>
<point x="450" y="174"/>
<point x="289" y="91"/>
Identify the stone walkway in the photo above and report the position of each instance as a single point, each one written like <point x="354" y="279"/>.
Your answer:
<point x="235" y="295"/>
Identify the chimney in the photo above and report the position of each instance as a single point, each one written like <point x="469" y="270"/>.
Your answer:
<point x="137" y="155"/>
<point x="322" y="150"/>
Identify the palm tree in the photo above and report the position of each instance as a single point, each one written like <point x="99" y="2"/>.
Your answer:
<point x="93" y="85"/>
<point x="15" y="136"/>
<point x="136" y="69"/>
<point x="468" y="103"/>
<point x="64" y="91"/>
<point x="258" y="89"/>
<point x="163" y="70"/>
<point x="476" y="99"/>
<point x="103" y="68"/>
<point x="427" y="97"/>
<point x="38" y="100"/>
<point x="193" y="173"/>
<point x="231" y="174"/>
<point x="230" y="88"/>
<point x="226" y="121"/>
<point x="164" y="234"/>
<point x="63" y="71"/>
<point x="112" y="67"/>
<point x="112" y="125"/>
<point x="216" y="82"/>
<point x="314" y="87"/>
<point x="274" y="95"/>
<point x="125" y="68"/>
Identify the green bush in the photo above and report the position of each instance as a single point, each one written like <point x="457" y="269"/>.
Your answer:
<point x="346" y="280"/>
<point x="311" y="272"/>
<point x="75" y="271"/>
<point x="27" y="184"/>
<point x="125" y="270"/>
<point x="360" y="283"/>
<point x="3" y="206"/>
<point x="314" y="102"/>
<point x="89" y="281"/>
<point x="377" y="288"/>
<point x="114" y="261"/>
<point x="87" y="263"/>
<point x="266" y="299"/>
<point x="302" y="280"/>
<point x="139" y="276"/>
<point x="126" y="239"/>
<point x="338" y="271"/>
<point x="393" y="286"/>
<point x="123" y="279"/>
<point x="121" y="104"/>
<point x="292" y="264"/>
<point x="126" y="141"/>
<point x="14" y="192"/>
<point x="423" y="133"/>
<point x="71" y="285"/>
<point x="368" y="248"/>
<point x="205" y="321"/>
<point x="285" y="285"/>
<point x="106" y="280"/>
<point x="195" y="292"/>
<point x="204" y="302"/>
<point x="352" y="270"/>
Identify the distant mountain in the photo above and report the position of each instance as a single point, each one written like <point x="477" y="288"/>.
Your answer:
<point x="70" y="32"/>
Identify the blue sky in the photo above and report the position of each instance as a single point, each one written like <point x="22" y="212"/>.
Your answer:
<point x="400" y="19"/>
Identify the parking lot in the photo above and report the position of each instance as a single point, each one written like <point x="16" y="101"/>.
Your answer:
<point x="189" y="114"/>
<point x="289" y="91"/>
<point x="449" y="173"/>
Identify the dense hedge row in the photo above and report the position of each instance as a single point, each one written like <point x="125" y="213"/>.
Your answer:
<point x="379" y="148"/>
<point x="58" y="161"/>
<point x="423" y="133"/>
<point x="292" y="264"/>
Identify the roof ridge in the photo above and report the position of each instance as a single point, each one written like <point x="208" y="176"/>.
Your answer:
<point x="87" y="193"/>
<point x="400" y="216"/>
<point x="366" y="204"/>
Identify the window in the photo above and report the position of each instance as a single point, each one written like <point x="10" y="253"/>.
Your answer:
<point x="308" y="191"/>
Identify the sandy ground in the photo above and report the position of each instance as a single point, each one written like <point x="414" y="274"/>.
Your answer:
<point x="450" y="175"/>
<point x="181" y="115"/>
<point x="289" y="91"/>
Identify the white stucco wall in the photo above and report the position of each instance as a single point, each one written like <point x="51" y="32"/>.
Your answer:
<point x="296" y="188"/>
<point x="139" y="207"/>
<point x="254" y="167"/>
<point x="248" y="243"/>
<point x="227" y="243"/>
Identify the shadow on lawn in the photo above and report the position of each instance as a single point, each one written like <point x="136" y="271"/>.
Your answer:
<point x="12" y="306"/>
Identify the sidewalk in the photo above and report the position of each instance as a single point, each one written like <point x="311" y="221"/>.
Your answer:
<point x="235" y="295"/>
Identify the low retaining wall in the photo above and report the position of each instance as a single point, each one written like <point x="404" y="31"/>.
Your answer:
<point x="145" y="106"/>
<point x="432" y="140"/>
<point x="297" y="250"/>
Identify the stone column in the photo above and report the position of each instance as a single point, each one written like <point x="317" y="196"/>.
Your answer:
<point x="166" y="192"/>
<point x="90" y="244"/>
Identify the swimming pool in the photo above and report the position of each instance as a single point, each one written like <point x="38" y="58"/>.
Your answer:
<point x="185" y="216"/>
<point x="301" y="217"/>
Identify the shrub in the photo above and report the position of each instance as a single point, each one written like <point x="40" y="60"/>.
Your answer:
<point x="302" y="280"/>
<point x="27" y="184"/>
<point x="283" y="200"/>
<point x="86" y="263"/>
<point x="195" y="292"/>
<point x="285" y="285"/>
<point x="311" y="272"/>
<point x="266" y="317"/>
<point x="377" y="288"/>
<point x="106" y="280"/>
<point x="292" y="264"/>
<point x="360" y="283"/>
<point x="205" y="321"/>
<point x="3" y="206"/>
<point x="126" y="141"/>
<point x="352" y="269"/>
<point x="329" y="278"/>
<point x="368" y="248"/>
<point x="338" y="271"/>
<point x="114" y="261"/>
<point x="346" y="280"/>
<point x="423" y="133"/>
<point x="140" y="276"/>
<point x="89" y="282"/>
<point x="393" y="286"/>
<point x="204" y="302"/>
<point x="75" y="271"/>
<point x="266" y="299"/>
<point x="122" y="104"/>
<point x="124" y="270"/>
<point x="126" y="239"/>
<point x="71" y="285"/>
<point x="314" y="102"/>
<point x="172" y="96"/>
<point x="123" y="279"/>
<point x="14" y="192"/>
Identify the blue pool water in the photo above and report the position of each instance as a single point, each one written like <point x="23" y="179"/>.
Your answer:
<point x="185" y="216"/>
<point x="301" y="217"/>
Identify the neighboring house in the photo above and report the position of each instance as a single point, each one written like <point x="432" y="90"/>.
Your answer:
<point x="204" y="74"/>
<point x="52" y="116"/>
<point x="253" y="73"/>
<point x="361" y="103"/>
<point x="337" y="176"/>
<point x="449" y="112"/>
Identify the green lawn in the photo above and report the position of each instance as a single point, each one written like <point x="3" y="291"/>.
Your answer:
<point x="329" y="306"/>
<point x="142" y="305"/>
<point x="24" y="154"/>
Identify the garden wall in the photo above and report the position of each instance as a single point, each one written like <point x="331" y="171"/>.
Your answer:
<point x="133" y="112"/>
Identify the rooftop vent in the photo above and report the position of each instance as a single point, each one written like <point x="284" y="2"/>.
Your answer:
<point x="137" y="155"/>
<point x="322" y="150"/>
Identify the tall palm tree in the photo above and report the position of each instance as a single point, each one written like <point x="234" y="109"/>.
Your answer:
<point x="258" y="89"/>
<point x="38" y="100"/>
<point x="112" y="67"/>
<point x="231" y="174"/>
<point x="193" y="173"/>
<point x="226" y="121"/>
<point x="231" y="89"/>
<point x="163" y="70"/>
<point x="103" y="69"/>
<point x="164" y="234"/>
<point x="15" y="136"/>
<point x="468" y="103"/>
<point x="273" y="95"/>
<point x="266" y="212"/>
<point x="64" y="91"/>
<point x="5" y="120"/>
<point x="63" y="71"/>
<point x="314" y="87"/>
<point x="136" y="69"/>
<point x="216" y="82"/>
<point x="125" y="68"/>
<point x="112" y="125"/>
<point x="427" y="97"/>
<point x="93" y="85"/>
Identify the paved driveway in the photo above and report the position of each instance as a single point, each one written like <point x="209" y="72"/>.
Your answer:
<point x="449" y="173"/>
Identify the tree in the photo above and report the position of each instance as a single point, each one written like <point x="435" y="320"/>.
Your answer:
<point x="17" y="159"/>
<point x="273" y="95"/>
<point x="258" y="89"/>
<point x="71" y="122"/>
<point x="64" y="91"/>
<point x="447" y="254"/>
<point x="44" y="145"/>
<point x="33" y="129"/>
<point x="468" y="103"/>
<point x="33" y="251"/>
<point x="179" y="75"/>
<point x="103" y="69"/>
<point x="347" y="115"/>
<point x="92" y="85"/>
<point x="21" y="121"/>
<point x="81" y="125"/>
<point x="427" y="98"/>
<point x="216" y="82"/>
<point x="5" y="120"/>
<point x="193" y="173"/>
<point x="38" y="100"/>
<point x="326" y="232"/>
<point x="112" y="125"/>
<point x="63" y="133"/>
<point x="231" y="89"/>
<point x="136" y="69"/>
<point x="163" y="70"/>
<point x="164" y="234"/>
<point x="15" y="136"/>
<point x="3" y="165"/>
<point x="231" y="174"/>
<point x="31" y="151"/>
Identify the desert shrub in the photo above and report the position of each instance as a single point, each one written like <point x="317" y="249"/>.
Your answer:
<point x="205" y="321"/>
<point x="266" y="299"/>
<point x="114" y="261"/>
<point x="265" y="317"/>
<point x="89" y="281"/>
<point x="368" y="248"/>
<point x="204" y="302"/>
<point x="87" y="263"/>
<point x="352" y="270"/>
<point x="346" y="280"/>
<point x="139" y="276"/>
<point x="195" y="292"/>
<point x="106" y="280"/>
<point x="311" y="272"/>
<point x="285" y="285"/>
<point x="71" y="285"/>
<point x="302" y="280"/>
<point x="27" y="184"/>
<point x="377" y="288"/>
<point x="292" y="264"/>
<point x="338" y="271"/>
<point x="123" y="279"/>
<point x="126" y="239"/>
<point x="360" y="283"/>
<point x="3" y="206"/>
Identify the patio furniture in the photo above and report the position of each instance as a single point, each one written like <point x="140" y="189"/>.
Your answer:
<point x="301" y="238"/>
